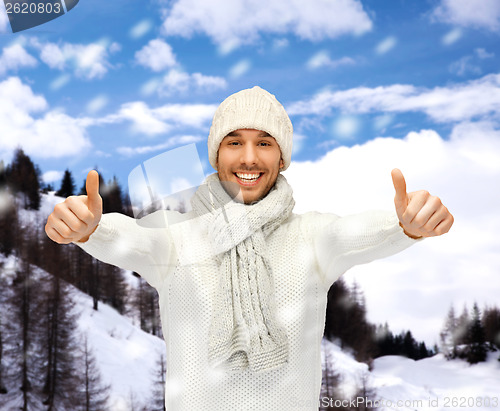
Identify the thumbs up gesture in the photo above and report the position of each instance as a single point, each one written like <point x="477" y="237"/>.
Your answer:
<point x="420" y="214"/>
<point x="77" y="217"/>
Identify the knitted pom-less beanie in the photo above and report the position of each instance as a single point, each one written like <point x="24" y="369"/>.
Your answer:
<point x="253" y="108"/>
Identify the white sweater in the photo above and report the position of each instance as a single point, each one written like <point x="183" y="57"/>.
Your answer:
<point x="307" y="254"/>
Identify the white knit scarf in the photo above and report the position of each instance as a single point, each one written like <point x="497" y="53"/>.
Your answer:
<point x="244" y="331"/>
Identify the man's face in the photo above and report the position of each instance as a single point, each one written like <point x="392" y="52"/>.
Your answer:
<point x="250" y="161"/>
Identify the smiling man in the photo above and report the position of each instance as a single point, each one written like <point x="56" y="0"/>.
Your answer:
<point x="252" y="160"/>
<point x="242" y="280"/>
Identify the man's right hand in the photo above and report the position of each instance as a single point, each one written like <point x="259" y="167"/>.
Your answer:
<point x="77" y="217"/>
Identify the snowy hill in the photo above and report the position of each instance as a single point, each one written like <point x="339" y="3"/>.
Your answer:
<point x="429" y="384"/>
<point x="126" y="356"/>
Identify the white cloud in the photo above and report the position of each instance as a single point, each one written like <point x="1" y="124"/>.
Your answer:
<point x="4" y="20"/>
<point x="52" y="55"/>
<point x="322" y="59"/>
<point x="483" y="54"/>
<point x="452" y="37"/>
<point x="346" y="127"/>
<point x="244" y="21"/>
<point x="418" y="285"/>
<point x="140" y="29"/>
<point x="159" y="120"/>
<point x="14" y="57"/>
<point x="97" y="103"/>
<point x="89" y="61"/>
<point x="385" y="45"/>
<point x="465" y="66"/>
<point x="177" y="81"/>
<point x="52" y="175"/>
<point x="454" y="103"/>
<point x="240" y="68"/>
<point x="227" y="46"/>
<point x="156" y="55"/>
<point x="208" y="83"/>
<point x="380" y="123"/>
<point x="27" y="122"/>
<point x="171" y="142"/>
<point x="151" y="86"/>
<point x="143" y="119"/>
<point x="478" y="14"/>
<point x="470" y="64"/>
<point x="60" y="81"/>
<point x="280" y="43"/>
<point x="298" y="142"/>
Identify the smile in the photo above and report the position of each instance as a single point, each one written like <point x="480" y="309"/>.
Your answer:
<point x="248" y="178"/>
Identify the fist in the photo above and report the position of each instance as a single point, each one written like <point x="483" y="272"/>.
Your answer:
<point x="78" y="216"/>
<point x="420" y="214"/>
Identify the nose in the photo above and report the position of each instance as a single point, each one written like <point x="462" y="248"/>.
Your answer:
<point x="249" y="155"/>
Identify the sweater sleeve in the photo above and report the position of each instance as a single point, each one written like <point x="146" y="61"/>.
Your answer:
<point x="342" y="242"/>
<point x="143" y="246"/>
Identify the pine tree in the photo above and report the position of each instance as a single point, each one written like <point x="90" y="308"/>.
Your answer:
<point x="3" y="176"/>
<point x="330" y="379"/>
<point x="491" y="324"/>
<point x="145" y="302"/>
<point x="157" y="402"/>
<point x="24" y="177"/>
<point x="61" y="382"/>
<point x="112" y="197"/>
<point x="95" y="393"/>
<point x="409" y="346"/>
<point x="463" y="324"/>
<point x="67" y="185"/>
<point x="8" y="223"/>
<point x="346" y="320"/>
<point x="476" y="342"/>
<point x="26" y="362"/>
<point x="112" y="286"/>
<point x="367" y="393"/>
<point x="3" y="309"/>
<point x="449" y="335"/>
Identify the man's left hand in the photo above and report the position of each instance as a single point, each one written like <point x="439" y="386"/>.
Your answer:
<point x="420" y="214"/>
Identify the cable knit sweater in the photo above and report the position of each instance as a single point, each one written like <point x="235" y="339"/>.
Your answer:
<point x="307" y="253"/>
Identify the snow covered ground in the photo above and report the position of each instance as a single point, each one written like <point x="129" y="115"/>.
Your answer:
<point x="431" y="384"/>
<point x="126" y="355"/>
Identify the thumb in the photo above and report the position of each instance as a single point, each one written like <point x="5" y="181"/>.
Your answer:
<point x="401" y="197"/>
<point x="92" y="187"/>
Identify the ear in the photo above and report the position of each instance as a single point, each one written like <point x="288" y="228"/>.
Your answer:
<point x="282" y="163"/>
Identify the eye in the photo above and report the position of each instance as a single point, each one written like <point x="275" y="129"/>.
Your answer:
<point x="265" y="143"/>
<point x="233" y="143"/>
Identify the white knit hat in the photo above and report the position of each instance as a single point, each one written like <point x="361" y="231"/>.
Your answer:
<point x="253" y="108"/>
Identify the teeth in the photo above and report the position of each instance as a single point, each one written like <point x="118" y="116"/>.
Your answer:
<point x="250" y="177"/>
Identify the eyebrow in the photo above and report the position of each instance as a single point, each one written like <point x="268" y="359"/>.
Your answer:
<point x="236" y="134"/>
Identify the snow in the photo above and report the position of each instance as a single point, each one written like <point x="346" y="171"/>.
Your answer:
<point x="127" y="356"/>
<point x="441" y="384"/>
<point x="431" y="384"/>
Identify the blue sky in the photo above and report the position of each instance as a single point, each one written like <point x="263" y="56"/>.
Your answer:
<point x="157" y="54"/>
<point x="369" y="85"/>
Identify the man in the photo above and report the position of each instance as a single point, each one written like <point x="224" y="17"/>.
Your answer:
<point x="242" y="280"/>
